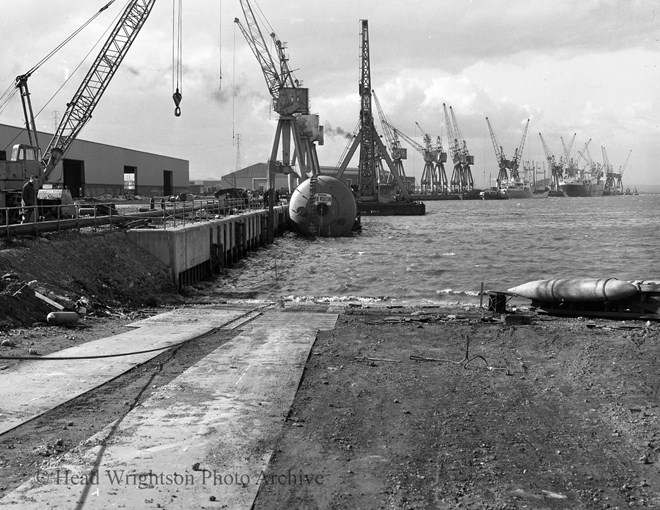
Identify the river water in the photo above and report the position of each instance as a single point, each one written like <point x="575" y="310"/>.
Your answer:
<point x="444" y="256"/>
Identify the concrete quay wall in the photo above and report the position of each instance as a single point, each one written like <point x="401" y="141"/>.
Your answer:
<point x="196" y="251"/>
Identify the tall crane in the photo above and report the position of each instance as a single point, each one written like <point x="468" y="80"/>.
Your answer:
<point x="461" y="178"/>
<point x="436" y="177"/>
<point x="290" y="102"/>
<point x="80" y="108"/>
<point x="397" y="152"/>
<point x="518" y="152"/>
<point x="569" y="166"/>
<point x="503" y="164"/>
<point x="367" y="138"/>
<point x="507" y="167"/>
<point x="619" y="174"/>
<point x="610" y="177"/>
<point x="556" y="169"/>
<point x="429" y="154"/>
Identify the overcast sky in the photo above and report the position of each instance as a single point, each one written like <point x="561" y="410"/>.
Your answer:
<point x="588" y="67"/>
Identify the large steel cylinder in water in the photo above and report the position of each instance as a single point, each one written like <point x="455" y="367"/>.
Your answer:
<point x="323" y="206"/>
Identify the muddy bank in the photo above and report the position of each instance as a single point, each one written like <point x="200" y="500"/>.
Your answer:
<point x="97" y="273"/>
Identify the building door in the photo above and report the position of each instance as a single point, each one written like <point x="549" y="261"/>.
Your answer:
<point x="130" y="180"/>
<point x="73" y="174"/>
<point x="168" y="182"/>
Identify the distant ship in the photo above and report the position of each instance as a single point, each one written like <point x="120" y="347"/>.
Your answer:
<point x="522" y="188"/>
<point x="582" y="188"/>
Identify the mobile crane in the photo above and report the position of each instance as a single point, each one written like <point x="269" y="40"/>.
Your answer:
<point x="27" y="160"/>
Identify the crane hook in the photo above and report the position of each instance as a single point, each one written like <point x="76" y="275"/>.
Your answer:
<point x="177" y="101"/>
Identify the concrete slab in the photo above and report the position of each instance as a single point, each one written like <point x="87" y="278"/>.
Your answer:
<point x="202" y="441"/>
<point x="32" y="388"/>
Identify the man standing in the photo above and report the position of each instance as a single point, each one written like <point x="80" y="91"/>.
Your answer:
<point x="29" y="199"/>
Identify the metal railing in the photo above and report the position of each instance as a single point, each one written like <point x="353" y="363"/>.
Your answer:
<point x="157" y="213"/>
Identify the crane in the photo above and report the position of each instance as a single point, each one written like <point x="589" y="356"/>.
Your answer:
<point x="619" y="175"/>
<point x="397" y="152"/>
<point x="503" y="163"/>
<point x="367" y="138"/>
<point x="517" y="153"/>
<point x="461" y="178"/>
<point x="429" y="154"/>
<point x="80" y="108"/>
<point x="569" y="166"/>
<point x="290" y="101"/>
<point x="556" y="169"/>
<point x="435" y="174"/>
<point x="508" y="168"/>
<point x="610" y="176"/>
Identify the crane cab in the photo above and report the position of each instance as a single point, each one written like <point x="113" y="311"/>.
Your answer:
<point x="23" y="162"/>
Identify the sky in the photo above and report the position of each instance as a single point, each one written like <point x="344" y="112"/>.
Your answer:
<point x="589" y="68"/>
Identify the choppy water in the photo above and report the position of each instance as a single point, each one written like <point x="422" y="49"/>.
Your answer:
<point x="444" y="256"/>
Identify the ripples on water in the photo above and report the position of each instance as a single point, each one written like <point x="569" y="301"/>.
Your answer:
<point x="444" y="256"/>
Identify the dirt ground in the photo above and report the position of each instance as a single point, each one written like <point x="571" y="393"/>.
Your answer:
<point x="391" y="412"/>
<point x="561" y="413"/>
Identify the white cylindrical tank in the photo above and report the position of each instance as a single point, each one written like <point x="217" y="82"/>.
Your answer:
<point x="323" y="206"/>
<point x="576" y="289"/>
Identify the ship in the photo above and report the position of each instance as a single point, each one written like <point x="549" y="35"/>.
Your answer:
<point x="586" y="182"/>
<point x="584" y="187"/>
<point x="522" y="188"/>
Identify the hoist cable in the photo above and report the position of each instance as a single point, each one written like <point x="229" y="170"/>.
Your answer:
<point x="59" y="47"/>
<point x="177" y="52"/>
<point x="11" y="90"/>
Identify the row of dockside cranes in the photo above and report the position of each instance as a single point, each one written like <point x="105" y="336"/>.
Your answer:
<point x="381" y="172"/>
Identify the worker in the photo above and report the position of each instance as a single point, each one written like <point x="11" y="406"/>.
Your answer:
<point x="29" y="199"/>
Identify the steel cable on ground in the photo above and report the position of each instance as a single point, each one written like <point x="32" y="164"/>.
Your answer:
<point x="115" y="355"/>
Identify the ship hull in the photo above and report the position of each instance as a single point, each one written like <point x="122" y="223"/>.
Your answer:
<point x="582" y="189"/>
<point x="519" y="193"/>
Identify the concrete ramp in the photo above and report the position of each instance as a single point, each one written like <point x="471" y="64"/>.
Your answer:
<point x="34" y="387"/>
<point x="202" y="441"/>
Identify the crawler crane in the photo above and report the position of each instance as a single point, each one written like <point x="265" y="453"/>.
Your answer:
<point x="27" y="160"/>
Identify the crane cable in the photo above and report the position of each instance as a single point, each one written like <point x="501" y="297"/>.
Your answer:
<point x="177" y="52"/>
<point x="11" y="90"/>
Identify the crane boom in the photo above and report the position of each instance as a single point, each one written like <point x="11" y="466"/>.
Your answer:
<point x="257" y="43"/>
<point x="80" y="108"/>
<point x="625" y="163"/>
<point x="519" y="151"/>
<point x="499" y="152"/>
<point x="390" y="133"/>
<point x="454" y="148"/>
<point x="414" y="144"/>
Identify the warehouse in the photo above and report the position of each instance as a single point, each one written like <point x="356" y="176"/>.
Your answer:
<point x="93" y="169"/>
<point x="256" y="177"/>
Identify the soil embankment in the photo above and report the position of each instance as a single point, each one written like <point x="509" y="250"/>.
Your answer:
<point x="98" y="274"/>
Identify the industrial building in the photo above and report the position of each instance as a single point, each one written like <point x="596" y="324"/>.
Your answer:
<point x="93" y="169"/>
<point x="256" y="177"/>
